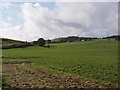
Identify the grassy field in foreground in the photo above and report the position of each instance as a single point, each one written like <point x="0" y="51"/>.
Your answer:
<point x="94" y="60"/>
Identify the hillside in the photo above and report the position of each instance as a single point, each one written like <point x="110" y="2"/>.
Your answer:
<point x="72" y="39"/>
<point x="9" y="43"/>
<point x="76" y="38"/>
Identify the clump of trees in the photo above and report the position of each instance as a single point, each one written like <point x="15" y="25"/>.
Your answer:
<point x="41" y="42"/>
<point x="34" y="42"/>
<point x="48" y="41"/>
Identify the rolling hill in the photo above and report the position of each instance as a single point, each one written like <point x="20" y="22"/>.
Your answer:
<point x="9" y="43"/>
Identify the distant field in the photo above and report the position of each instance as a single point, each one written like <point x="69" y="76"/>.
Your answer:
<point x="94" y="60"/>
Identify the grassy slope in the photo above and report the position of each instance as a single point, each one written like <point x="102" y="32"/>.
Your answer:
<point x="8" y="42"/>
<point x="96" y="60"/>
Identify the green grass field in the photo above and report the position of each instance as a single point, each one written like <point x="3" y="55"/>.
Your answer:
<point x="95" y="60"/>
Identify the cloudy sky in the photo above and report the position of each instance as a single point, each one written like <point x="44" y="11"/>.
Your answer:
<point x="48" y="20"/>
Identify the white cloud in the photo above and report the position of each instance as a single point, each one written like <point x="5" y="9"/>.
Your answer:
<point x="12" y="32"/>
<point x="81" y="19"/>
<point x="6" y="5"/>
<point x="93" y="17"/>
<point x="5" y="24"/>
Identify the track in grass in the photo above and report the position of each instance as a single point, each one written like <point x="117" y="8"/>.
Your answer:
<point x="27" y="76"/>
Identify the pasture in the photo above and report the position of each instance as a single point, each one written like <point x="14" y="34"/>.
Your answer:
<point x="95" y="60"/>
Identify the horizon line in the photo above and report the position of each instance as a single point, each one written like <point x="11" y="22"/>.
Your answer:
<point x="62" y="37"/>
